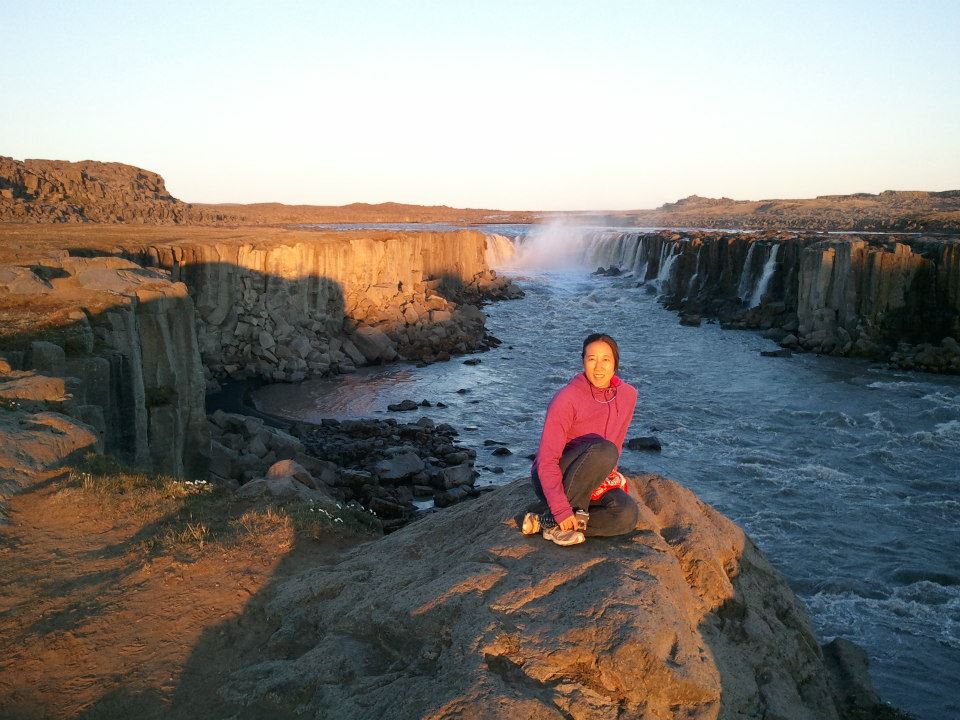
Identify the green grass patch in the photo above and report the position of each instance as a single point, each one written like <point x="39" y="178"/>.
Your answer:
<point x="184" y="517"/>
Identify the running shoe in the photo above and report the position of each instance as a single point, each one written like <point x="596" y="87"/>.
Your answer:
<point x="563" y="537"/>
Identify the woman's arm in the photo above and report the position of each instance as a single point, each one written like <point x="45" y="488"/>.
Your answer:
<point x="556" y="426"/>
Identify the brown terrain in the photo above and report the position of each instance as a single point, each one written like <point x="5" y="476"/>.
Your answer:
<point x="54" y="191"/>
<point x="131" y="593"/>
<point x="136" y="600"/>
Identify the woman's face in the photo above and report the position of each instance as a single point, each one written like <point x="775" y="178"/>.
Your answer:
<point x="599" y="364"/>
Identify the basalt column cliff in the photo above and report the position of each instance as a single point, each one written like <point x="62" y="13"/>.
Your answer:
<point x="895" y="298"/>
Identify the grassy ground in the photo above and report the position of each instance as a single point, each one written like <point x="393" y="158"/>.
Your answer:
<point x="133" y="595"/>
<point x="197" y="513"/>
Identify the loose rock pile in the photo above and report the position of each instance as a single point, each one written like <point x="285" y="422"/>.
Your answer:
<point x="423" y="324"/>
<point x="379" y="465"/>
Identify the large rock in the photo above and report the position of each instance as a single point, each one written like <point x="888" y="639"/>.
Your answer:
<point x="458" y="615"/>
<point x="375" y="345"/>
<point x="399" y="466"/>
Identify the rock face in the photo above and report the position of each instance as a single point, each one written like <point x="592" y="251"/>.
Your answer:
<point x="124" y="358"/>
<point x="285" y="311"/>
<point x="895" y="299"/>
<point x="65" y="192"/>
<point x="458" y="615"/>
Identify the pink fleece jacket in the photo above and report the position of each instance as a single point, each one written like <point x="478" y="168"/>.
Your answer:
<point x="576" y="411"/>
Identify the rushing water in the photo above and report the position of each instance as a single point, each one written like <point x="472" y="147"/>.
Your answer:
<point x="846" y="474"/>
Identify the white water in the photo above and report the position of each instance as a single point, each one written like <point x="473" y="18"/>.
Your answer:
<point x="500" y="252"/>
<point x="663" y="277"/>
<point x="756" y="296"/>
<point x="744" y="285"/>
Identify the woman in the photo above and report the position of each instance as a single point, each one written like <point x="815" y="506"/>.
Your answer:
<point x="575" y="470"/>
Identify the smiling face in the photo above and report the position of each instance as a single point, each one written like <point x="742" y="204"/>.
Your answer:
<point x="599" y="364"/>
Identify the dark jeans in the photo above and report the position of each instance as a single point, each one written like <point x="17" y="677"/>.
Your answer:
<point x="584" y="466"/>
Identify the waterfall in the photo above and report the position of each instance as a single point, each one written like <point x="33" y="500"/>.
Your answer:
<point x="745" y="274"/>
<point x="643" y="256"/>
<point x="556" y="245"/>
<point x="632" y="251"/>
<point x="500" y="251"/>
<point x="768" y="269"/>
<point x="692" y="285"/>
<point x="663" y="276"/>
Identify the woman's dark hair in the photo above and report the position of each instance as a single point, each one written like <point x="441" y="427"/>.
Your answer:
<point x="594" y="337"/>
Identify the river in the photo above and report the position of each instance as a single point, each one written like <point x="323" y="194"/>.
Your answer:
<point x="844" y="472"/>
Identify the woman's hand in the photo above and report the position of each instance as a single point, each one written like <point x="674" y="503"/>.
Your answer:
<point x="568" y="524"/>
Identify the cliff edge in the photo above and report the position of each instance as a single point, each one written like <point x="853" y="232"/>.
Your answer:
<point x="460" y="616"/>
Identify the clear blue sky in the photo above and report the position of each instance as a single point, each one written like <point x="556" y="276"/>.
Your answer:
<point x="539" y="105"/>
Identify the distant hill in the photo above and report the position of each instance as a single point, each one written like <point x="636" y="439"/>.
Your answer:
<point x="55" y="191"/>
<point x="891" y="210"/>
<point x="388" y="212"/>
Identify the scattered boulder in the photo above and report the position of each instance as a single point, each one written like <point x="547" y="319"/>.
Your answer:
<point x="648" y="442"/>
<point x="403" y="406"/>
<point x="399" y="466"/>
<point x="293" y="469"/>
<point x="458" y="475"/>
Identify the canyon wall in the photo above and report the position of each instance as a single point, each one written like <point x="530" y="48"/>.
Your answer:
<point x="114" y="346"/>
<point x="328" y="303"/>
<point x="895" y="298"/>
<point x="127" y="337"/>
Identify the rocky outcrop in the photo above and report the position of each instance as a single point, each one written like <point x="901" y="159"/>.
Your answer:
<point x="895" y="299"/>
<point x="54" y="191"/>
<point x="114" y="345"/>
<point x="891" y="210"/>
<point x="284" y="311"/>
<point x="458" y="615"/>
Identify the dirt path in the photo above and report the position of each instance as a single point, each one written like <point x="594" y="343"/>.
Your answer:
<point x="94" y="624"/>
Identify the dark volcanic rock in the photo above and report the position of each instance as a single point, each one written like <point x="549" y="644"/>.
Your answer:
<point x="644" y="443"/>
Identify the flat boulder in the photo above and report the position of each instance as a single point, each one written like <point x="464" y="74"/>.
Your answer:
<point x="459" y="615"/>
<point x="399" y="467"/>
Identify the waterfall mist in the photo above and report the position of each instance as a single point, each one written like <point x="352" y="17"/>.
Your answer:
<point x="557" y="244"/>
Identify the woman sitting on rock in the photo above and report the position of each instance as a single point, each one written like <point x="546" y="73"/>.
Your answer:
<point x="575" y="470"/>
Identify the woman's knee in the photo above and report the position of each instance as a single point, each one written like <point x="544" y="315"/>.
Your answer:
<point x="631" y="515"/>
<point x="624" y="510"/>
<point x="605" y="451"/>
